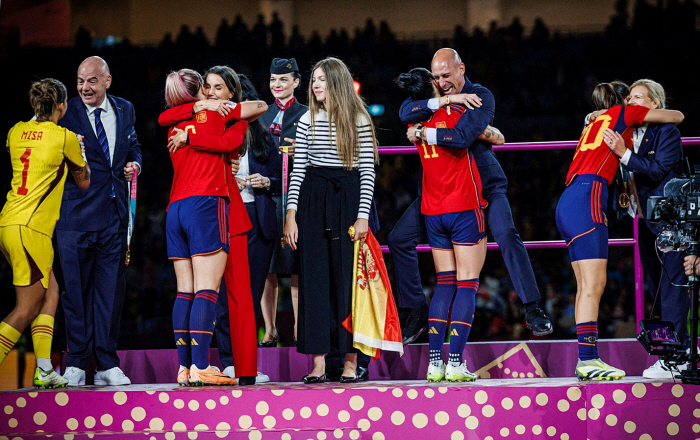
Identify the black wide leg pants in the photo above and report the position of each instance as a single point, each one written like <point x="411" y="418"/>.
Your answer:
<point x="329" y="200"/>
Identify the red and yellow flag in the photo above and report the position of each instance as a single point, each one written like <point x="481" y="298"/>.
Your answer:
<point x="374" y="320"/>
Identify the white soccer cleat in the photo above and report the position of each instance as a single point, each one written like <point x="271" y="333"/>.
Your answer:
<point x="48" y="379"/>
<point x="436" y="371"/>
<point x="595" y="369"/>
<point x="459" y="373"/>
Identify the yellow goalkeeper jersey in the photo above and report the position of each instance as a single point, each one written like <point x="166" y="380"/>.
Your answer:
<point x="41" y="154"/>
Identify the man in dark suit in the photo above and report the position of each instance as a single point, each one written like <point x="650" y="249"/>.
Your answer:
<point x="448" y="69"/>
<point x="91" y="233"/>
<point x="657" y="158"/>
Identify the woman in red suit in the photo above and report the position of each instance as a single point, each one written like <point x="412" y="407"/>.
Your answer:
<point x="221" y="88"/>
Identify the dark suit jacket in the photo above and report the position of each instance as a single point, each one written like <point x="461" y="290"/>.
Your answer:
<point x="659" y="159"/>
<point x="265" y="206"/>
<point x="85" y="210"/>
<point x="465" y="134"/>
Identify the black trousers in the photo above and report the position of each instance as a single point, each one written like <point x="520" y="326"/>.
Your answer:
<point x="329" y="200"/>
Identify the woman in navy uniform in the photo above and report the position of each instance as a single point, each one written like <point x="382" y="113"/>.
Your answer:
<point x="281" y="119"/>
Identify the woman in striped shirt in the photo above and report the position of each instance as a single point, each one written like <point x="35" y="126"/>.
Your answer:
<point x="330" y="190"/>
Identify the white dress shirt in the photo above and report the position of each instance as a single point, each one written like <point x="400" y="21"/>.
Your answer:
<point x="247" y="193"/>
<point x="637" y="135"/>
<point x="109" y="122"/>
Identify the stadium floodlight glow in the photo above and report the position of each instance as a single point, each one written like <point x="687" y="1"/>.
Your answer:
<point x="356" y="85"/>
<point x="376" y="109"/>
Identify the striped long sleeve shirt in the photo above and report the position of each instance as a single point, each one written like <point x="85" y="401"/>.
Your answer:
<point x="314" y="147"/>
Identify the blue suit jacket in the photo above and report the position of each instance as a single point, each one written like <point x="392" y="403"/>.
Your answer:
<point x="659" y="159"/>
<point x="469" y="127"/>
<point x="86" y="210"/>
<point x="265" y="206"/>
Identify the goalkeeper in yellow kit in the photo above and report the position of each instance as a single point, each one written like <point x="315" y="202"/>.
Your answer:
<point x="41" y="153"/>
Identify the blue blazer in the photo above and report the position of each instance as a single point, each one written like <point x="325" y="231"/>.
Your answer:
<point x="265" y="206"/>
<point x="469" y="127"/>
<point x="85" y="210"/>
<point x="659" y="159"/>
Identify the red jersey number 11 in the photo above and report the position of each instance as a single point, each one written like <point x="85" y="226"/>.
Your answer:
<point x="425" y="151"/>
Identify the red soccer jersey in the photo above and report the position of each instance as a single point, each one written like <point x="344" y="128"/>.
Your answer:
<point x="198" y="171"/>
<point x="451" y="181"/>
<point x="592" y="154"/>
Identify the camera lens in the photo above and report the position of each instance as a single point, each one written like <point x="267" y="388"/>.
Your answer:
<point x="667" y="241"/>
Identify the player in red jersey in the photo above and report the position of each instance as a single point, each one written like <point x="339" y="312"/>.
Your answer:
<point x="197" y="231"/>
<point x="581" y="216"/>
<point x="221" y="88"/>
<point x="452" y="204"/>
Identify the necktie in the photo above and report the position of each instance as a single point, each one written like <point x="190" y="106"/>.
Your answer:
<point x="102" y="135"/>
<point x="102" y="139"/>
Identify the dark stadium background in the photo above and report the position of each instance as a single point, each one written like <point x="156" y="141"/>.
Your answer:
<point x="542" y="83"/>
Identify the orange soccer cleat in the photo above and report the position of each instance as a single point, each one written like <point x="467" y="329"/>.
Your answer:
<point x="209" y="376"/>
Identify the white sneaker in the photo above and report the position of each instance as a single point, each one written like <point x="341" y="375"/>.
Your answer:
<point x="260" y="378"/>
<point x="661" y="371"/>
<point x="112" y="377"/>
<point x="75" y="376"/>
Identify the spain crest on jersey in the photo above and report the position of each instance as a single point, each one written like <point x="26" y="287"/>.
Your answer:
<point x="201" y="117"/>
<point x="440" y="124"/>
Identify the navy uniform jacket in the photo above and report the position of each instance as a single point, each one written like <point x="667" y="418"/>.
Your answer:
<point x="264" y="204"/>
<point x="289" y="121"/>
<point x="469" y="127"/>
<point x="659" y="159"/>
<point x="85" y="210"/>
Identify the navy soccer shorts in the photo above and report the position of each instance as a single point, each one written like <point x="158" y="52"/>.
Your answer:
<point x="196" y="226"/>
<point x="581" y="217"/>
<point x="465" y="228"/>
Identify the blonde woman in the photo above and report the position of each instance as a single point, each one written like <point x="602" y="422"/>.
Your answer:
<point x="331" y="189"/>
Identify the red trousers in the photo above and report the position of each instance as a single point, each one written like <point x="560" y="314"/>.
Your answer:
<point x="244" y="341"/>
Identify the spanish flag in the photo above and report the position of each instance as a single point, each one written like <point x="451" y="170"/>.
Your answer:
<point x="374" y="320"/>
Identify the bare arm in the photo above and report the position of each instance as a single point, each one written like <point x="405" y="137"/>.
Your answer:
<point x="664" y="116"/>
<point x="493" y="136"/>
<point x="82" y="176"/>
<point x="252" y="110"/>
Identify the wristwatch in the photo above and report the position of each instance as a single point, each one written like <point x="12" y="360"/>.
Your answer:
<point x="419" y="132"/>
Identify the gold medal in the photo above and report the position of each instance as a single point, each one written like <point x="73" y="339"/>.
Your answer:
<point x="624" y="200"/>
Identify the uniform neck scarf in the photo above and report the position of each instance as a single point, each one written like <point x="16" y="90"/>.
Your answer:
<point x="276" y="127"/>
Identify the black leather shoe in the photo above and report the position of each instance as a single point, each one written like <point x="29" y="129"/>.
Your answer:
<point x="350" y="379"/>
<point x="538" y="321"/>
<point x="246" y="380"/>
<point x="362" y="374"/>
<point x="272" y="343"/>
<point x="416" y="324"/>
<point x="314" y="379"/>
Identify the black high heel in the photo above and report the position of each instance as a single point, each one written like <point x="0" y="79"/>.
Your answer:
<point x="350" y="379"/>
<point x="272" y="343"/>
<point x="314" y="379"/>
